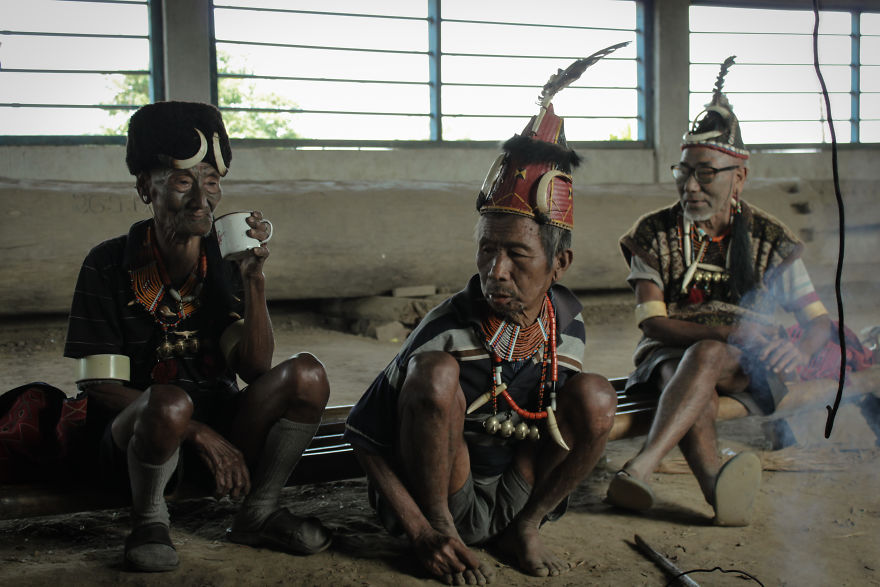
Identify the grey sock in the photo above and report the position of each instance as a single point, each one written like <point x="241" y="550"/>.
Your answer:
<point x="284" y="446"/>
<point x="147" y="488"/>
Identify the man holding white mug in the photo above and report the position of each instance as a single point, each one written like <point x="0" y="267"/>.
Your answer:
<point x="188" y="320"/>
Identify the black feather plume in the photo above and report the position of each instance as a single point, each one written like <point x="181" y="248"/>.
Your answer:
<point x="565" y="77"/>
<point x="719" y="81"/>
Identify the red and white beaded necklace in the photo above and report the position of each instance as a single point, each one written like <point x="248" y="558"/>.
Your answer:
<point x="150" y="283"/>
<point x="510" y="342"/>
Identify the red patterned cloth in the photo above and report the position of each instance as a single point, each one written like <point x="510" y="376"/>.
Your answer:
<point x="826" y="363"/>
<point x="40" y="430"/>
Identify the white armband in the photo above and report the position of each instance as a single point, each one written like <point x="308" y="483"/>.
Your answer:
<point x="650" y="309"/>
<point x="103" y="368"/>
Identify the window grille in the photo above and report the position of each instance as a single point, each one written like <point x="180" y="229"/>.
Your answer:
<point x="72" y="67"/>
<point x="423" y="71"/>
<point x="869" y="78"/>
<point x="773" y="87"/>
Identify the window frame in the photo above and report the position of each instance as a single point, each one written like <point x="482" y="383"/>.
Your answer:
<point x="855" y="9"/>
<point x="155" y="73"/>
<point x="644" y="115"/>
<point x="155" y="37"/>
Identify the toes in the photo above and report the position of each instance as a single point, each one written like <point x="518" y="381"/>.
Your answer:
<point x="485" y="574"/>
<point x="458" y="579"/>
<point x="539" y="570"/>
<point x="557" y="567"/>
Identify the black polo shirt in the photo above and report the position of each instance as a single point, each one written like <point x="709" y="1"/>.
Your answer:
<point x="106" y="319"/>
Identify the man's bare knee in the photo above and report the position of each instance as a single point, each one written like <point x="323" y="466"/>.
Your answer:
<point x="168" y="406"/>
<point x="431" y="382"/>
<point x="706" y="354"/>
<point x="303" y="378"/>
<point x="159" y="425"/>
<point x="594" y="401"/>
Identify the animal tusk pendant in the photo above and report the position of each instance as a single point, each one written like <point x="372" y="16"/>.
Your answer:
<point x="481" y="401"/>
<point x="195" y="159"/>
<point x="553" y="428"/>
<point x="689" y="274"/>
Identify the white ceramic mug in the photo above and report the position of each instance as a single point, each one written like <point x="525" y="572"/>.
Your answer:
<point x="232" y="235"/>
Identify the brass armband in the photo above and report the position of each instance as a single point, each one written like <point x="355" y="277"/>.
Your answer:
<point x="813" y="310"/>
<point x="647" y="310"/>
<point x="230" y="338"/>
<point x="103" y="368"/>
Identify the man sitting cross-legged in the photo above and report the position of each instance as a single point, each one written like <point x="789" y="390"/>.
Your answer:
<point x="484" y="423"/>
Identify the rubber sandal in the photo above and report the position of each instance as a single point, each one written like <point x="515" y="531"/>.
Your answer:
<point x="286" y="532"/>
<point x="148" y="549"/>
<point x="736" y="486"/>
<point x="627" y="492"/>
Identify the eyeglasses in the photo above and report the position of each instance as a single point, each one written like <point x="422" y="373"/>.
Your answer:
<point x="703" y="174"/>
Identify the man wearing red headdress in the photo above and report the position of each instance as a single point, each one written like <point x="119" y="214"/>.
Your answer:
<point x="161" y="325"/>
<point x="708" y="273"/>
<point x="484" y="423"/>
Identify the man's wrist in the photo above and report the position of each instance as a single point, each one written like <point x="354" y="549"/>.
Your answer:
<point x="192" y="431"/>
<point x="256" y="279"/>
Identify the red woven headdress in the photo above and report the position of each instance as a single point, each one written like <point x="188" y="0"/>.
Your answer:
<point x="531" y="177"/>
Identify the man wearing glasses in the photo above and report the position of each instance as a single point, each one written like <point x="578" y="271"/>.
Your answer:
<point x="708" y="273"/>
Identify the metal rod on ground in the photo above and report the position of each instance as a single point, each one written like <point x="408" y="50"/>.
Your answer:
<point x="664" y="563"/>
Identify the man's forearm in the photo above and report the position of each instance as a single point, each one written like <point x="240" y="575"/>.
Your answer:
<point x="409" y="513"/>
<point x="682" y="333"/>
<point x="257" y="342"/>
<point x="114" y="397"/>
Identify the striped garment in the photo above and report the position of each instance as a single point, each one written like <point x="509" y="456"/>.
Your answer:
<point x="105" y="319"/>
<point x="454" y="327"/>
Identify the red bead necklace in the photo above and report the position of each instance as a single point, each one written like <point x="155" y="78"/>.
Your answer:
<point x="549" y="338"/>
<point x="150" y="283"/>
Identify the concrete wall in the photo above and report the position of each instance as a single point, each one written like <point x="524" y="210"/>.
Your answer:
<point x="359" y="222"/>
<point x="345" y="238"/>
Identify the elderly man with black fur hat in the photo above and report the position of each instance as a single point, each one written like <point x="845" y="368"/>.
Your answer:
<point x="708" y="273"/>
<point x="484" y="423"/>
<point x="161" y="326"/>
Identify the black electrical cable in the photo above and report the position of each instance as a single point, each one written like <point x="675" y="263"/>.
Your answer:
<point x="832" y="411"/>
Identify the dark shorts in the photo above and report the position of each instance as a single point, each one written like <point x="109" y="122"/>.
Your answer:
<point x="763" y="394"/>
<point x="481" y="509"/>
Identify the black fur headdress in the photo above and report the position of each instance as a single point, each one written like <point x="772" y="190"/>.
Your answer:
<point x="175" y="134"/>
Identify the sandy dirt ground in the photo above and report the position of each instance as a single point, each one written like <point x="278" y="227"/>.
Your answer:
<point x="817" y="518"/>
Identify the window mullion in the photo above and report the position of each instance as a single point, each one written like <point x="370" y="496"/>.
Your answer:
<point x="855" y="83"/>
<point x="435" y="81"/>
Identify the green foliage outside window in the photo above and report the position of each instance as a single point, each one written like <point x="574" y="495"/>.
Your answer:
<point x="233" y="92"/>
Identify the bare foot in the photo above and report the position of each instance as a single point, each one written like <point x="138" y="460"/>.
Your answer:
<point x="524" y="543"/>
<point x="448" y="558"/>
